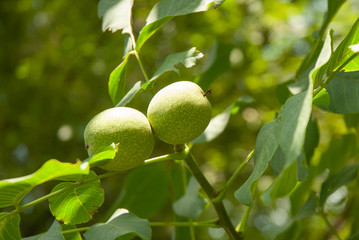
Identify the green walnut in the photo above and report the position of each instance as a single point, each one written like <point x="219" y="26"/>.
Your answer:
<point x="179" y="113"/>
<point x="126" y="127"/>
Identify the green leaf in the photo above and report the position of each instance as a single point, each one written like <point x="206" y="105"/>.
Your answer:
<point x="120" y="224"/>
<point x="282" y="92"/>
<point x="14" y="190"/>
<point x="105" y="154"/>
<point x="294" y="232"/>
<point x="54" y="233"/>
<point x="299" y="195"/>
<point x="266" y="145"/>
<point x="191" y="205"/>
<point x="354" y="216"/>
<point x="345" y="176"/>
<point x="77" y="204"/>
<point x="215" y="127"/>
<point x="136" y="88"/>
<point x="217" y="124"/>
<point x="343" y="52"/>
<point x="9" y="227"/>
<point x="165" y="10"/>
<point x="116" y="84"/>
<point x="353" y="237"/>
<point x="218" y="62"/>
<point x="35" y="237"/>
<point x="339" y="151"/>
<point x="351" y="120"/>
<point x="322" y="99"/>
<point x="71" y="235"/>
<point x="145" y="190"/>
<point x="302" y="168"/>
<point x="339" y="59"/>
<point x="187" y="58"/>
<point x="179" y="175"/>
<point x="333" y="7"/>
<point x="318" y="71"/>
<point x="343" y="92"/>
<point x="308" y="209"/>
<point x="116" y="15"/>
<point x="282" y="185"/>
<point x="308" y="62"/>
<point x="311" y="139"/>
<point x="277" y="161"/>
<point x="295" y="117"/>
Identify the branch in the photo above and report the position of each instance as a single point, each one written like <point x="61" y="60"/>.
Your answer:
<point x="209" y="223"/>
<point x="173" y="156"/>
<point x="329" y="225"/>
<point x="224" y="220"/>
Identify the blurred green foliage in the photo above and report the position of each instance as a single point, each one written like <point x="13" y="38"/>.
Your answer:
<point x="55" y="64"/>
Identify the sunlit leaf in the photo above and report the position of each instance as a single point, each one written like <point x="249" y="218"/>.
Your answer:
<point x="354" y="48"/>
<point x="116" y="15"/>
<point x="103" y="156"/>
<point x="116" y="84"/>
<point x="187" y="58"/>
<point x="322" y="99"/>
<point x="78" y="203"/>
<point x="14" y="190"/>
<point x="266" y="145"/>
<point x="308" y="62"/>
<point x="217" y="63"/>
<point x="295" y="117"/>
<point x="340" y="57"/>
<point x="319" y="69"/>
<point x="165" y="10"/>
<point x="343" y="52"/>
<point x="191" y="205"/>
<point x="120" y="224"/>
<point x="345" y="176"/>
<point x="9" y="227"/>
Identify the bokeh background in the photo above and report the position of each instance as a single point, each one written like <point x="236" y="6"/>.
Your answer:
<point x="55" y="64"/>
